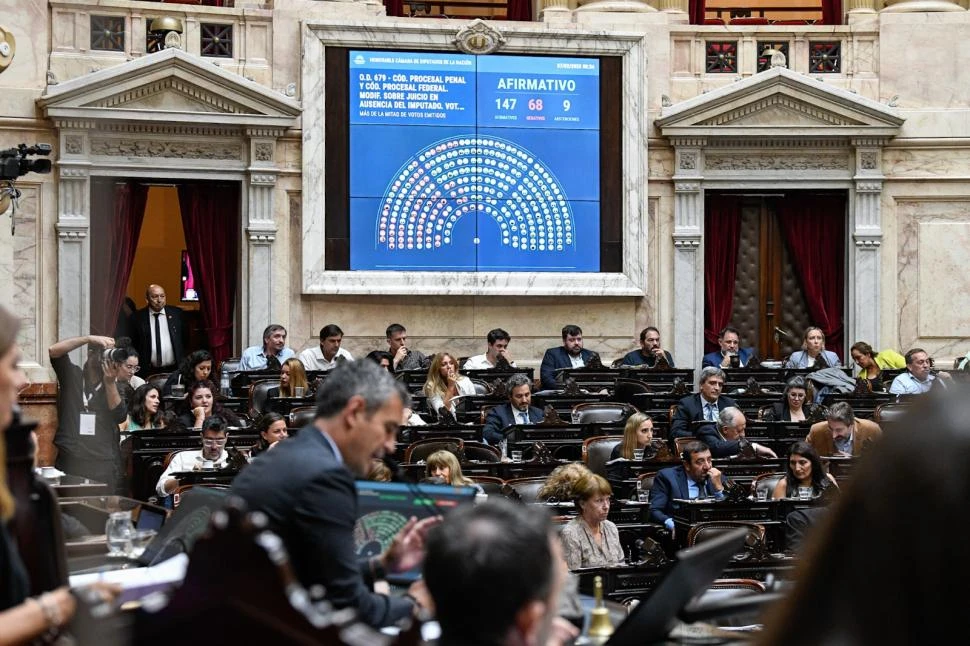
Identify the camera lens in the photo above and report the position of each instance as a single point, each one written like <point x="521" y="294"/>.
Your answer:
<point x="117" y="355"/>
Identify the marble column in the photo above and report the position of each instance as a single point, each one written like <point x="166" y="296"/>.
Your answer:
<point x="73" y="242"/>
<point x="866" y="218"/>
<point x="688" y="332"/>
<point x="257" y="302"/>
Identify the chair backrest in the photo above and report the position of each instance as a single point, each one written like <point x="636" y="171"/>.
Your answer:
<point x="754" y="541"/>
<point x="601" y="412"/>
<point x="484" y="413"/>
<point x="680" y="443"/>
<point x="230" y="366"/>
<point x="259" y="394"/>
<point x="181" y="489"/>
<point x="481" y="452"/>
<point x="489" y="484"/>
<point x="763" y="411"/>
<point x="482" y="387"/>
<point x="890" y="412"/>
<point x="527" y="488"/>
<point x="157" y="379"/>
<point x="646" y="480"/>
<point x="420" y="450"/>
<point x="597" y="451"/>
<point x="302" y="415"/>
<point x="624" y="389"/>
<point x="766" y="482"/>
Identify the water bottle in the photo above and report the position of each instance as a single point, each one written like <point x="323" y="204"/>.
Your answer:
<point x="224" y="386"/>
<point x="118" y="531"/>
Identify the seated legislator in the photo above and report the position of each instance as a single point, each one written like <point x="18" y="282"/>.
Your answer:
<point x="871" y="364"/>
<point x="212" y="456"/>
<point x="813" y="353"/>
<point x="444" y="384"/>
<point x="842" y="434"/>
<point x="704" y="405"/>
<point x="498" y="346"/>
<point x="726" y="437"/>
<point x="272" y="429"/>
<point x="795" y="406"/>
<point x="589" y="539"/>
<point x="519" y="410"/>
<point x="804" y="469"/>
<point x="496" y="572"/>
<point x="270" y="355"/>
<point x="695" y="477"/>
<point x="196" y="366"/>
<point x="199" y="404"/>
<point x="637" y="434"/>
<point x="305" y="487"/>
<point x="649" y="351"/>
<point x="328" y="353"/>
<point x="444" y="464"/>
<point x="917" y="378"/>
<point x="292" y="376"/>
<point x="403" y="357"/>
<point x="731" y="355"/>
<point x="568" y="355"/>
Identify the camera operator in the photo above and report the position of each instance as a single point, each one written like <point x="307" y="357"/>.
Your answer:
<point x="89" y="409"/>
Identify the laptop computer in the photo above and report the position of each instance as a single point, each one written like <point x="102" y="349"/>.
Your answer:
<point x="696" y="568"/>
<point x="384" y="507"/>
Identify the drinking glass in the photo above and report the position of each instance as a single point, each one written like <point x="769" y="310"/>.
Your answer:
<point x="516" y="456"/>
<point x="638" y="455"/>
<point x="140" y="540"/>
<point x="118" y="531"/>
<point x="762" y="495"/>
<point x="804" y="493"/>
<point x="298" y="391"/>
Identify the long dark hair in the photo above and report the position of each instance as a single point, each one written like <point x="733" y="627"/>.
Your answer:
<point x="218" y="409"/>
<point x="137" y="410"/>
<point x="262" y="425"/>
<point x="187" y="369"/>
<point x="820" y="481"/>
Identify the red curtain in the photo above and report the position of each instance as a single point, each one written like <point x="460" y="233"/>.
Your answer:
<point x="210" y="218"/>
<point x="814" y="230"/>
<point x="722" y="232"/>
<point x="519" y="10"/>
<point x="831" y="12"/>
<point x="117" y="211"/>
<point x="394" y="7"/>
<point x="696" y="12"/>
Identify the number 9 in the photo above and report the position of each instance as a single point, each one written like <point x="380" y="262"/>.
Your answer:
<point x="566" y="105"/>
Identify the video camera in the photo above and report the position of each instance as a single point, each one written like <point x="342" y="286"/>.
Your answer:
<point x="14" y="162"/>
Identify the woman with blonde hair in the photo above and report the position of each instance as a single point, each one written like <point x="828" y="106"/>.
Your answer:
<point x="292" y="376"/>
<point x="444" y="464"/>
<point x="813" y="353"/>
<point x="444" y="384"/>
<point x="637" y="434"/>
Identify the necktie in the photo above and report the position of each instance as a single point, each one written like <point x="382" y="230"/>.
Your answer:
<point x="523" y="418"/>
<point x="711" y="414"/>
<point x="702" y="489"/>
<point x="158" y="340"/>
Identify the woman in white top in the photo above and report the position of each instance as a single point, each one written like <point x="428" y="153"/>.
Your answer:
<point x="813" y="353"/>
<point x="444" y="383"/>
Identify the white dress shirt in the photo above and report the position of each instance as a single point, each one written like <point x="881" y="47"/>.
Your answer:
<point x="187" y="461"/>
<point x="168" y="352"/>
<point x="313" y="359"/>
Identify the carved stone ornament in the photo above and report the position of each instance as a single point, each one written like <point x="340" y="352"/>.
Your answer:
<point x="73" y="145"/>
<point x="479" y="37"/>
<point x="868" y="160"/>
<point x="156" y="148"/>
<point x="264" y="152"/>
<point x="688" y="161"/>
<point x="723" y="162"/>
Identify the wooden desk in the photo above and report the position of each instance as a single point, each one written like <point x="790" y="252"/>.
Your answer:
<point x="68" y="486"/>
<point x="599" y="378"/>
<point x="770" y="513"/>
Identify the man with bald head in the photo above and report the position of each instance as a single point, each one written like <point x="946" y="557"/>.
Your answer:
<point x="159" y="333"/>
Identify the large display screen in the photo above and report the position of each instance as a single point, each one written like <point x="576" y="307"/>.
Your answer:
<point x="474" y="163"/>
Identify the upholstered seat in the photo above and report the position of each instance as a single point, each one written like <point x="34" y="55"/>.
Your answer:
<point x="482" y="387"/>
<point x="890" y="412"/>
<point x="481" y="452"/>
<point x="625" y="389"/>
<point x="489" y="484"/>
<point x="597" y="451"/>
<point x="754" y="541"/>
<point x="259" y="394"/>
<point x="301" y="416"/>
<point x="420" y="450"/>
<point x="601" y="412"/>
<point x="766" y="482"/>
<point x="157" y="380"/>
<point x="527" y="489"/>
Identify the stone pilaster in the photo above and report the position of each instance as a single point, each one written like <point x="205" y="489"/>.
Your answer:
<point x="688" y="332"/>
<point x="867" y="239"/>
<point x="73" y="226"/>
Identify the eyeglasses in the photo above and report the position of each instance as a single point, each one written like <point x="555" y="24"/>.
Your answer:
<point x="214" y="442"/>
<point x="132" y="369"/>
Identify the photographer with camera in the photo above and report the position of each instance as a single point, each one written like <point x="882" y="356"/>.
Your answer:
<point x="89" y="409"/>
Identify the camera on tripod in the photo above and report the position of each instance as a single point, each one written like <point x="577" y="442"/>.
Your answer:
<point x="14" y="162"/>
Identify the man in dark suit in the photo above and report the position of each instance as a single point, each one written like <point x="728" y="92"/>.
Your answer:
<point x="730" y="341"/>
<point x="519" y="410"/>
<point x="649" y="351"/>
<point x="695" y="477"/>
<point x="704" y="405"/>
<point x="305" y="486"/>
<point x="159" y="333"/>
<point x="727" y="439"/>
<point x="568" y="355"/>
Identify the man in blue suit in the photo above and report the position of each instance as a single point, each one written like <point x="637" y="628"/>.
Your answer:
<point x="519" y="410"/>
<point x="695" y="477"/>
<point x="569" y="355"/>
<point x="706" y="404"/>
<point x="730" y="341"/>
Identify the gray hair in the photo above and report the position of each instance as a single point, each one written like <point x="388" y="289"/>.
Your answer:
<point x="364" y="378"/>
<point x="727" y="416"/>
<point x="710" y="371"/>
<point x="518" y="379"/>
<point x="841" y="412"/>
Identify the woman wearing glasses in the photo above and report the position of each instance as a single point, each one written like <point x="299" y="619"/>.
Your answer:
<point x="795" y="406"/>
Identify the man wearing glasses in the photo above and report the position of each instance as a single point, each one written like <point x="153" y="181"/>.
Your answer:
<point x="917" y="378"/>
<point x="212" y="456"/>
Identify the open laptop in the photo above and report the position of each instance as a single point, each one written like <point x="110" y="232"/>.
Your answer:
<point x="384" y="507"/>
<point x="696" y="568"/>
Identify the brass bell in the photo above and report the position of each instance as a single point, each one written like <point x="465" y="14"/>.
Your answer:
<point x="600" y="624"/>
<point x="166" y="24"/>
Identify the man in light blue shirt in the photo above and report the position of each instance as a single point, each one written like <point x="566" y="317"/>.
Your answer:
<point x="271" y="354"/>
<point x="917" y="378"/>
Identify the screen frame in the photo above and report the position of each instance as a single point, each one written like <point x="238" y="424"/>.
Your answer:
<point x="323" y="207"/>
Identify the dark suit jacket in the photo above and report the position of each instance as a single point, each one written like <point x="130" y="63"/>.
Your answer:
<point x="310" y="500"/>
<point x="671" y="483"/>
<point x="720" y="447"/>
<point x="142" y="339"/>
<point x="555" y="359"/>
<point x="690" y="409"/>
<point x="714" y="358"/>
<point x="500" y="417"/>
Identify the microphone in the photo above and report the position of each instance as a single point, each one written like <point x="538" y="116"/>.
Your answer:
<point x="781" y="332"/>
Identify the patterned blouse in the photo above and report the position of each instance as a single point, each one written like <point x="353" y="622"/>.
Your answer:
<point x="581" y="550"/>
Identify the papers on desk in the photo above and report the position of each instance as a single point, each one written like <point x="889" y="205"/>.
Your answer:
<point x="138" y="582"/>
